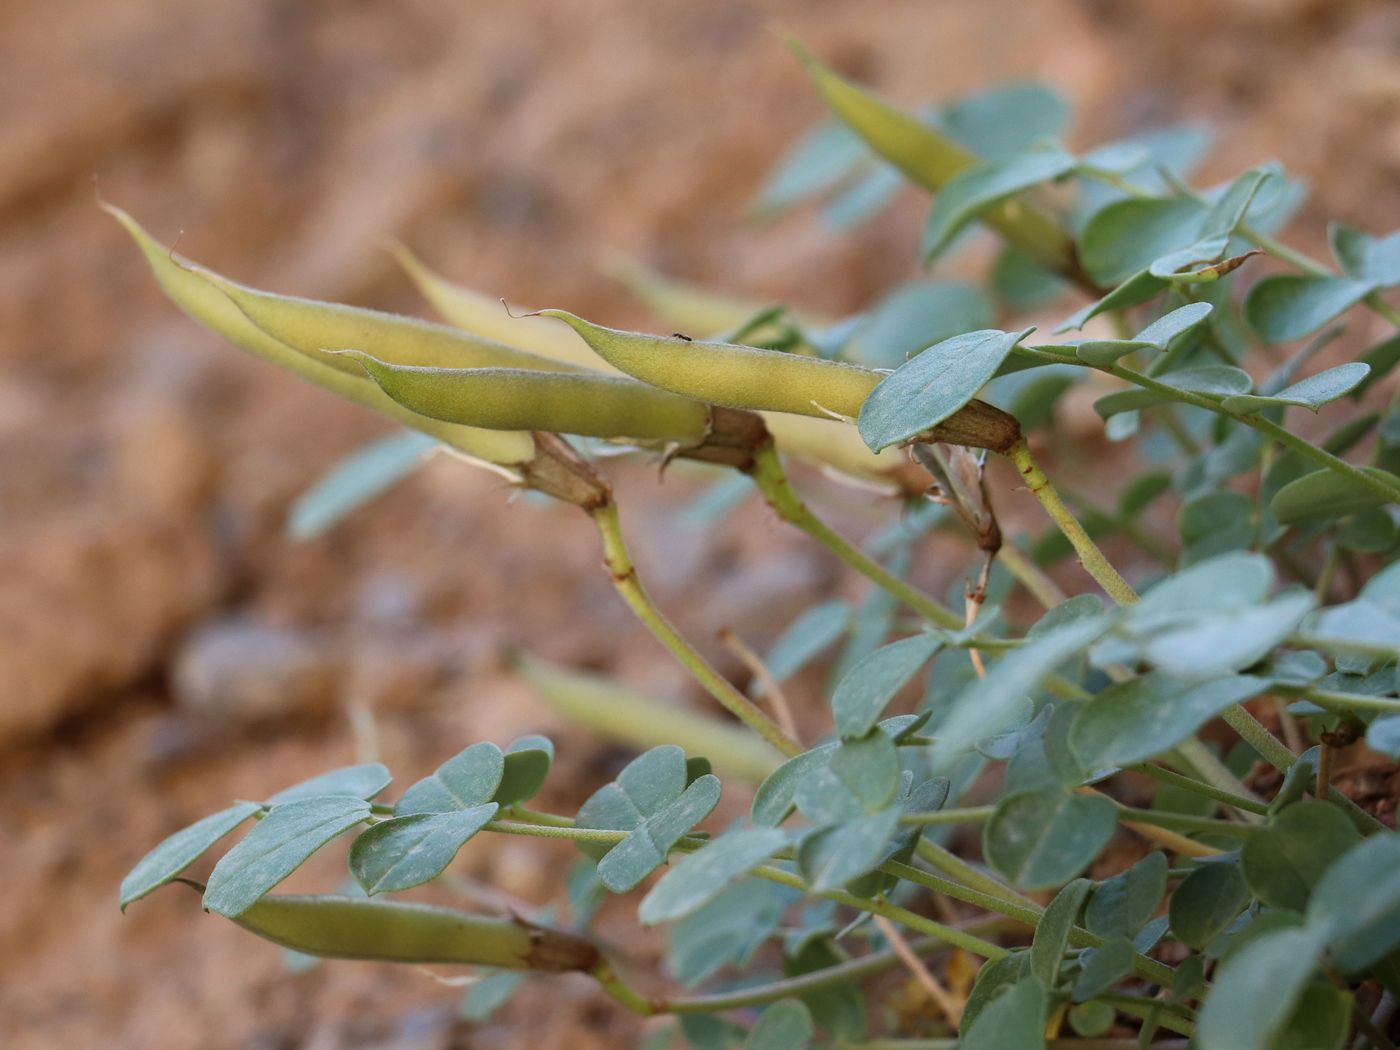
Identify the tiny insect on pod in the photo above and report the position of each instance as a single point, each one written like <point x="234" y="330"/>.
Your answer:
<point x="396" y="931"/>
<point x="772" y="381"/>
<point x="592" y="405"/>
<point x="193" y="292"/>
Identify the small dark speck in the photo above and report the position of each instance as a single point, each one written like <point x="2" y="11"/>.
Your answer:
<point x="681" y="335"/>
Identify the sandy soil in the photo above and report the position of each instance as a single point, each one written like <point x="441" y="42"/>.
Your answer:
<point x="151" y="603"/>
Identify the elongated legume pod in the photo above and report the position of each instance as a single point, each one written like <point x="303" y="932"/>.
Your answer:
<point x="590" y="404"/>
<point x="772" y="381"/>
<point x="396" y="931"/>
<point x="187" y="286"/>
<point x="484" y="316"/>
<point x="312" y="326"/>
<point x="728" y="374"/>
<point x="821" y="441"/>
<point x="930" y="159"/>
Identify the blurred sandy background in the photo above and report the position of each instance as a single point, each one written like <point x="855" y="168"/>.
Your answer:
<point x="151" y="611"/>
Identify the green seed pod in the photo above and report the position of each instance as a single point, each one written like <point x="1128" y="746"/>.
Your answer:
<point x="311" y="326"/>
<point x="728" y="374"/>
<point x="768" y="380"/>
<point x="483" y="316"/>
<point x="188" y="286"/>
<point x="929" y="159"/>
<point x="589" y="404"/>
<point x="825" y="442"/>
<point x="396" y="931"/>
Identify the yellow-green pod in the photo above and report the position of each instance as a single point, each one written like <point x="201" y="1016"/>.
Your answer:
<point x="189" y="289"/>
<point x="487" y="318"/>
<point x="400" y="932"/>
<point x="929" y="159"/>
<point x="730" y="375"/>
<point x="589" y="404"/>
<point x="311" y="326"/>
<point x="642" y="720"/>
<point x="825" y="442"/>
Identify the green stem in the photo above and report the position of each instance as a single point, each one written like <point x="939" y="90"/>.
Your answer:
<point x="951" y="935"/>
<point x="1197" y="787"/>
<point x="1027" y="913"/>
<point x="772" y="481"/>
<point x="624" y="576"/>
<point x="1128" y="814"/>
<point x="1341" y="702"/>
<point x="817" y="981"/>
<point x="1090" y="556"/>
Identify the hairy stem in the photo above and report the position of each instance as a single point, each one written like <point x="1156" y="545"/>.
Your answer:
<point x="1090" y="556"/>
<point x="772" y="481"/>
<point x="624" y="577"/>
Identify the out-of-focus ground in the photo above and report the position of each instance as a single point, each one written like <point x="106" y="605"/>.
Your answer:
<point x="152" y="611"/>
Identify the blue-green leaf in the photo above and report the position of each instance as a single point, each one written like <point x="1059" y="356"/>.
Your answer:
<point x="1365" y="258"/>
<point x="1146" y="715"/>
<point x="1103" y="968"/>
<point x="970" y="193"/>
<point x="805" y="637"/>
<point x="777" y="794"/>
<point x="1284" y="862"/>
<point x="1383" y="736"/>
<point x="1000" y="122"/>
<point x="1052" y="933"/>
<point x="1313" y="392"/>
<point x="786" y="1025"/>
<point x="990" y="704"/>
<point x="1227" y="641"/>
<point x="176" y="853"/>
<point x="831" y="857"/>
<point x="468" y="779"/>
<point x="702" y="875"/>
<point x="820" y="160"/>
<point x="278" y="845"/>
<point x="869" y="686"/>
<point x="404" y="852"/>
<point x="1125" y="237"/>
<point x="1015" y="1017"/>
<point x="1356" y="903"/>
<point x="914" y="317"/>
<point x="1255" y="990"/>
<point x="1289" y="306"/>
<point x="727" y="931"/>
<point x="1206" y="902"/>
<point x="1158" y="335"/>
<point x="354" y="781"/>
<point x="356" y="480"/>
<point x="1040" y="838"/>
<point x="1121" y="906"/>
<point x="1326" y="494"/>
<point x="868" y="767"/>
<point x="524" y="768"/>
<point x="935" y="384"/>
<point x="645" y="849"/>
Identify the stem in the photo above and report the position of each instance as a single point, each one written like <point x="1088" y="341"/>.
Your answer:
<point x="1167" y="776"/>
<point x="817" y="981"/>
<point x="949" y="934"/>
<point x="1027" y="913"/>
<point x="1030" y="576"/>
<point x="624" y="576"/>
<point x="1090" y="556"/>
<point x="772" y="481"/>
